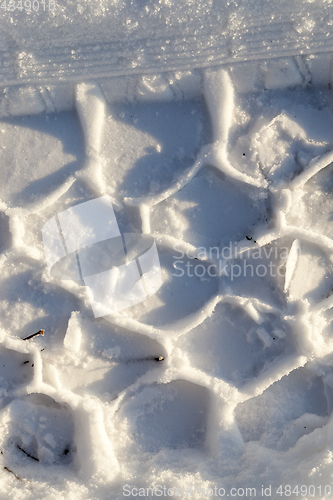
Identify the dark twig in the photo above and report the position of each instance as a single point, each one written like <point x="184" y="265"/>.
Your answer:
<point x="150" y="358"/>
<point x="6" y="468"/>
<point x="28" y="454"/>
<point x="40" y="332"/>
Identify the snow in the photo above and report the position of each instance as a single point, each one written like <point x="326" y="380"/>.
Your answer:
<point x="199" y="136"/>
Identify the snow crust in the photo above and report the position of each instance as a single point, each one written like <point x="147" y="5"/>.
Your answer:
<point x="217" y="381"/>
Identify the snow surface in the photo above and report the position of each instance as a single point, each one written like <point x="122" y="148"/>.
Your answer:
<point x="217" y="380"/>
<point x="77" y="40"/>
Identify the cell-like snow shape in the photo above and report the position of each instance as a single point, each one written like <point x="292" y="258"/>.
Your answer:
<point x="277" y="425"/>
<point x="37" y="429"/>
<point x="172" y="415"/>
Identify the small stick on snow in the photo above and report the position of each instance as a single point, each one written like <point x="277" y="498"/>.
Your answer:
<point x="17" y="477"/>
<point x="40" y="332"/>
<point x="28" y="454"/>
<point x="150" y="358"/>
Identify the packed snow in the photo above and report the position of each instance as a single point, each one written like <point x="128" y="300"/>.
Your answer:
<point x="209" y="160"/>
